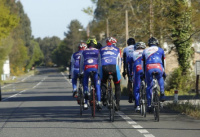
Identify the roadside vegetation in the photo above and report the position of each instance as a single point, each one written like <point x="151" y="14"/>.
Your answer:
<point x="186" y="108"/>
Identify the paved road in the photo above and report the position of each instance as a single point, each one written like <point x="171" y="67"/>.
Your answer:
<point x="42" y="106"/>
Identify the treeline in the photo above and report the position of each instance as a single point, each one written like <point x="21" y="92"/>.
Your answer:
<point x="16" y="41"/>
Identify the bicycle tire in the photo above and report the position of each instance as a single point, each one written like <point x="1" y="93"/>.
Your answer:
<point x="81" y="102"/>
<point x="112" y="107"/>
<point x="145" y="106"/>
<point x="93" y="102"/>
<point x="156" y="107"/>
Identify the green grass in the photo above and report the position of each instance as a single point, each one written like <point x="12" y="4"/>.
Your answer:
<point x="186" y="108"/>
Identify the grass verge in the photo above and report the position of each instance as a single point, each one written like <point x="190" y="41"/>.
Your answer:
<point x="186" y="108"/>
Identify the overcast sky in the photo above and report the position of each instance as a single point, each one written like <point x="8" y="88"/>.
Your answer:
<point x="52" y="17"/>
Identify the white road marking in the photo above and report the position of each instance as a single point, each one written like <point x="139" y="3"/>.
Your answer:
<point x="24" y="90"/>
<point x="135" y="125"/>
<point x="65" y="77"/>
<point x="26" y="78"/>
<point x="16" y="82"/>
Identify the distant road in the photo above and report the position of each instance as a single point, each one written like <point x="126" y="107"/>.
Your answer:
<point x="42" y="106"/>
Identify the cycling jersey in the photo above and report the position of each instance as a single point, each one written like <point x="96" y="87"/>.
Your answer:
<point x="88" y="63"/>
<point x="127" y="54"/>
<point x="153" y="61"/>
<point x="136" y="68"/>
<point x="110" y="55"/>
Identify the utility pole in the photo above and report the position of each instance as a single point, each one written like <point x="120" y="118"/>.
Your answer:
<point x="88" y="31"/>
<point x="126" y="20"/>
<point x="151" y="18"/>
<point x="107" y="28"/>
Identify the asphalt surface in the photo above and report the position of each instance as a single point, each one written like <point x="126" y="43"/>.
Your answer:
<point x="42" y="106"/>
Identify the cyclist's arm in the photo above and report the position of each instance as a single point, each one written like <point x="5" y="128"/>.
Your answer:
<point x="119" y="61"/>
<point x="131" y="63"/>
<point x="99" y="63"/>
<point x="71" y="65"/>
<point x="81" y="64"/>
<point x="124" y="61"/>
<point x="143" y="62"/>
<point x="163" y="60"/>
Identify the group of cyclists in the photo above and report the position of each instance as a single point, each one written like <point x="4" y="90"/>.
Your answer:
<point x="139" y="63"/>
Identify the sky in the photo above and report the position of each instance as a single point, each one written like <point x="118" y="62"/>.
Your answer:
<point x="52" y="17"/>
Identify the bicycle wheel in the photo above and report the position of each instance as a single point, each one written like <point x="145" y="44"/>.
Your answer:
<point x="81" y="101"/>
<point x="93" y="102"/>
<point x="156" y="107"/>
<point x="112" y="107"/>
<point x="144" y="105"/>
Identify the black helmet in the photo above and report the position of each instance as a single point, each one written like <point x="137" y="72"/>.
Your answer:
<point x="153" y="41"/>
<point x="91" y="43"/>
<point x="131" y="41"/>
<point x="140" y="45"/>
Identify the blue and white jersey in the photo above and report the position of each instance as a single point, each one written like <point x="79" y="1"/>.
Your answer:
<point x="110" y="55"/>
<point x="75" y="61"/>
<point x="153" y="55"/>
<point x="89" y="59"/>
<point x="129" y="52"/>
<point x="136" y="61"/>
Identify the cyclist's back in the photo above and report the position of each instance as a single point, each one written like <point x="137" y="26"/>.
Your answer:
<point x="89" y="63"/>
<point x="154" y="61"/>
<point x="110" y="63"/>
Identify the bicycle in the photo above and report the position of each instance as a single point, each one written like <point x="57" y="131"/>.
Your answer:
<point x="111" y="99"/>
<point x="80" y="98"/>
<point x="93" y="93"/>
<point x="143" y="98"/>
<point x="155" y="98"/>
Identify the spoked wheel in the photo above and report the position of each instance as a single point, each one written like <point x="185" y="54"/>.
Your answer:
<point x="156" y="108"/>
<point x="112" y="107"/>
<point x="93" y="102"/>
<point x="144" y="106"/>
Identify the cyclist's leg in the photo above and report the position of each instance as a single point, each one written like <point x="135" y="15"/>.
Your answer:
<point x="74" y="81"/>
<point x="116" y="79"/>
<point x="97" y="86"/>
<point x="85" y="84"/>
<point x="149" y="80"/>
<point x="137" y="84"/>
<point x="104" y="77"/>
<point x="130" y="87"/>
<point x="161" y="84"/>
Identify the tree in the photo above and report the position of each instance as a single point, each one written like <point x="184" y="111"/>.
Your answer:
<point x="47" y="46"/>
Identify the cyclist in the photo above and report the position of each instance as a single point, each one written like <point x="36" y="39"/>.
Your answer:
<point x="88" y="63"/>
<point x="136" y="68"/>
<point x="74" y="67"/>
<point x="154" y="61"/>
<point x="127" y="53"/>
<point x="110" y="63"/>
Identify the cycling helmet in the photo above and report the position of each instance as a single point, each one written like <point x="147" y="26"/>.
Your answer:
<point x="82" y="46"/>
<point x="153" y="41"/>
<point x="111" y="40"/>
<point x="131" y="41"/>
<point x="91" y="42"/>
<point x="140" y="45"/>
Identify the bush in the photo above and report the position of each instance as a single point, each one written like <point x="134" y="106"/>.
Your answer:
<point x="184" y="83"/>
